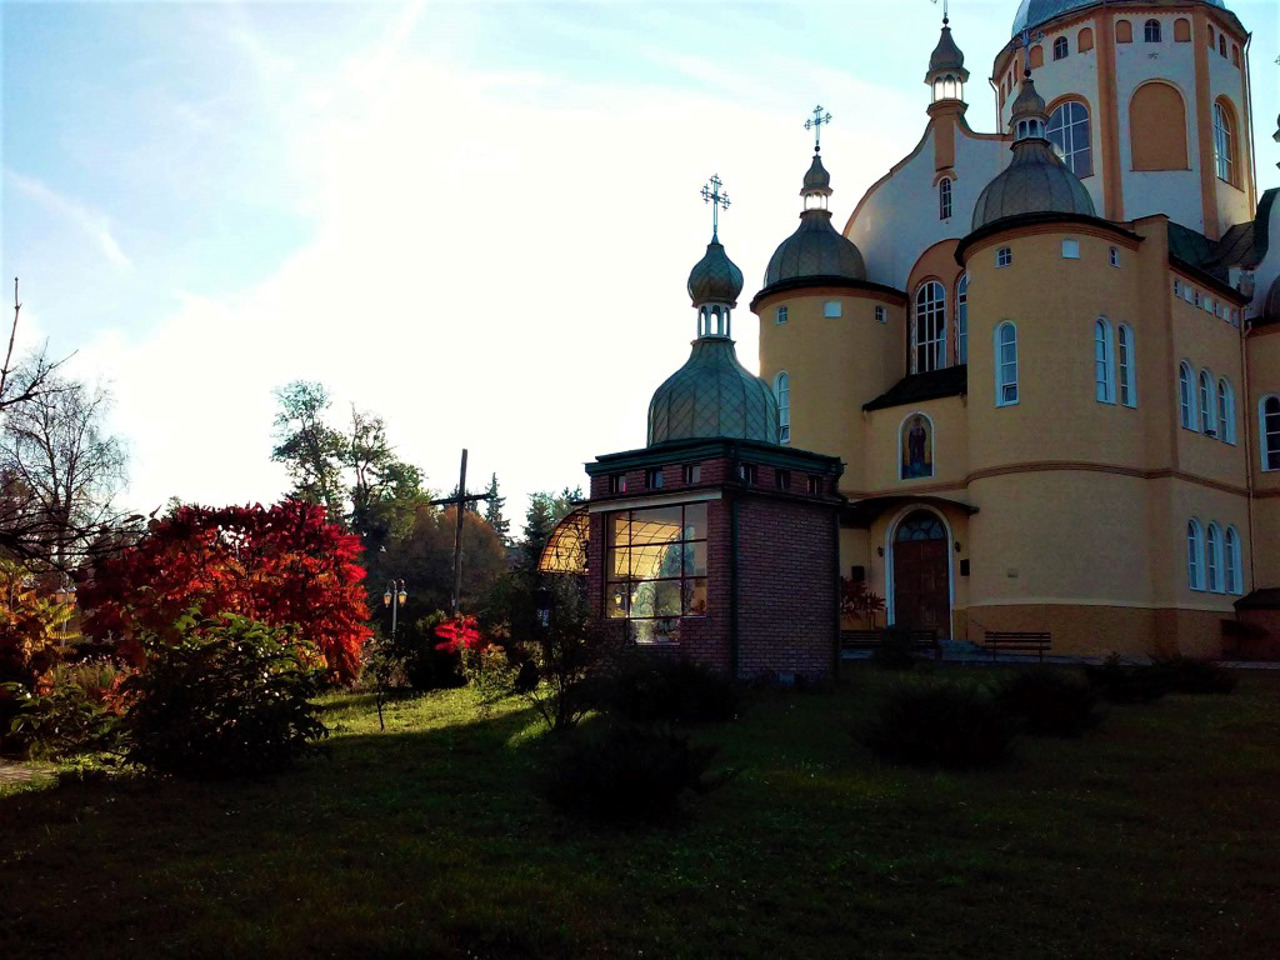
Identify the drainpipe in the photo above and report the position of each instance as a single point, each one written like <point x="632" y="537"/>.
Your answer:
<point x="733" y="585"/>
<point x="1246" y="326"/>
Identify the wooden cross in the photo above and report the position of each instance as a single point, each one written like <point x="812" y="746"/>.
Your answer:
<point x="711" y="194"/>
<point x="815" y="124"/>
<point x="460" y="500"/>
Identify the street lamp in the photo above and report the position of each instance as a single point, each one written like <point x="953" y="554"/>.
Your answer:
<point x="394" y="598"/>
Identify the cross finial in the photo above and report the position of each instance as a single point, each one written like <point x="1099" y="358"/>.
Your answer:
<point x="945" y="17"/>
<point x="711" y="194"/>
<point x="815" y="124"/>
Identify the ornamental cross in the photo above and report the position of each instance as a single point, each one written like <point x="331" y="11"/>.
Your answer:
<point x="819" y="118"/>
<point x="711" y="194"/>
<point x="945" y="18"/>
<point x="1026" y="50"/>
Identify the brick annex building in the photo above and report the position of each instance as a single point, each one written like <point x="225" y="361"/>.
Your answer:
<point x="1034" y="383"/>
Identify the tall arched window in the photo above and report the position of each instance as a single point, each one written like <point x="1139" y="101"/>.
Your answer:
<point x="1207" y="422"/>
<point x="1195" y="555"/>
<point x="782" y="391"/>
<point x="1151" y="31"/>
<point x="1104" y="362"/>
<point x="1213" y="558"/>
<point x="1006" y="357"/>
<point x="929" y="331"/>
<point x="1224" y="142"/>
<point x="1187" y="395"/>
<point x="1126" y="367"/>
<point x="1069" y="132"/>
<point x="1226" y="411"/>
<point x="1158" y="128"/>
<point x="944" y="198"/>
<point x="1060" y="49"/>
<point x="962" y="320"/>
<point x="1269" y="427"/>
<point x="1233" y="558"/>
<point x="1222" y="44"/>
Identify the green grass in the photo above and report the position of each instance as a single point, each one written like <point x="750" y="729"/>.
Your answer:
<point x="1156" y="835"/>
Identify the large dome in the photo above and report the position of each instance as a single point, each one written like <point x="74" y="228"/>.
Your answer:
<point x="713" y="396"/>
<point x="1033" y="13"/>
<point x="815" y="250"/>
<point x="1035" y="182"/>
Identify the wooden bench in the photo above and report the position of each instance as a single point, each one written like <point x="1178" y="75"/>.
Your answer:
<point x="1017" y="641"/>
<point x="916" y="640"/>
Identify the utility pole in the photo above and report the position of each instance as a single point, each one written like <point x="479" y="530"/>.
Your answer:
<point x="460" y="501"/>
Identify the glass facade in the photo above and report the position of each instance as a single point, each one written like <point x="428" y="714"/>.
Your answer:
<point x="656" y="569"/>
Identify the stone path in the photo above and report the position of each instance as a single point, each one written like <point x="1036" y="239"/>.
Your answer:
<point x="11" y="772"/>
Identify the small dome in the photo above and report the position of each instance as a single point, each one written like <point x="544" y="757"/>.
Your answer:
<point x="1035" y="182"/>
<point x="946" y="55"/>
<point x="817" y="180"/>
<point x="715" y="278"/>
<point x="1033" y="13"/>
<point x="815" y="250"/>
<point x="1028" y="104"/>
<point x="713" y="396"/>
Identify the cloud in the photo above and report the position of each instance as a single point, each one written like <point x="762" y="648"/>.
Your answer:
<point x="93" y="224"/>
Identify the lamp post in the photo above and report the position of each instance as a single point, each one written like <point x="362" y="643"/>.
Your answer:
<point x="394" y="598"/>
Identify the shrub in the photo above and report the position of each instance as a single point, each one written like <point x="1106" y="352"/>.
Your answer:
<point x="896" y="651"/>
<point x="231" y="697"/>
<point x="561" y="663"/>
<point x="628" y="772"/>
<point x="1120" y="682"/>
<point x="648" y="689"/>
<point x="1050" y="703"/>
<point x="62" y="722"/>
<point x="1189" y="675"/>
<point x="941" y="724"/>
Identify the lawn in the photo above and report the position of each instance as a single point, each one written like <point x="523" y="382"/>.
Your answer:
<point x="1157" y="835"/>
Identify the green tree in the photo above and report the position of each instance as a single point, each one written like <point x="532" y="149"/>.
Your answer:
<point x="311" y="450"/>
<point x="385" y="491"/>
<point x="493" y="511"/>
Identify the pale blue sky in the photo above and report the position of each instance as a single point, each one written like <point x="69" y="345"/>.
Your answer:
<point x="475" y="218"/>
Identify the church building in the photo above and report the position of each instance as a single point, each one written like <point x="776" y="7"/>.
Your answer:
<point x="1033" y="384"/>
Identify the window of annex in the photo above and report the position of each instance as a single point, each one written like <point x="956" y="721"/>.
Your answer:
<point x="929" y="328"/>
<point x="1151" y="31"/>
<point x="1069" y="131"/>
<point x="1213" y="558"/>
<point x="1208" y="424"/>
<point x="1060" y="48"/>
<point x="780" y="315"/>
<point x="657" y="569"/>
<point x="1126" y="366"/>
<point x="782" y="392"/>
<point x="1269" y="428"/>
<point x="1226" y="411"/>
<point x="1224" y="142"/>
<point x="1195" y="555"/>
<point x="944" y="198"/>
<point x="1006" y="357"/>
<point x="1004" y="256"/>
<point x="1104" y="361"/>
<point x="1187" y="396"/>
<point x="1233" y="558"/>
<point x="962" y="320"/>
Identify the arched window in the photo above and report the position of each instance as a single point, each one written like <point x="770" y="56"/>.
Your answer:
<point x="1269" y="426"/>
<point x="1037" y="58"/>
<point x="1158" y="128"/>
<point x="782" y="391"/>
<point x="1224" y="143"/>
<point x="1182" y="30"/>
<point x="1211" y="36"/>
<point x="1124" y="31"/>
<point x="1060" y="49"/>
<point x="1187" y="395"/>
<point x="1006" y="357"/>
<point x="1235" y="55"/>
<point x="929" y="331"/>
<point x="1126" y="367"/>
<point x="1104" y="362"/>
<point x="1222" y="44"/>
<point x="1226" y="411"/>
<point x="944" y="198"/>
<point x="1213" y="558"/>
<point x="1151" y="31"/>
<point x="1069" y="132"/>
<point x="1207" y="424"/>
<point x="1195" y="555"/>
<point x="1233" y="558"/>
<point x="1084" y="40"/>
<point x="962" y="320"/>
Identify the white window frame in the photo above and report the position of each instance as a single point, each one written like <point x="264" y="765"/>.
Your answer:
<point x="962" y="320"/>
<point x="1004" y="256"/>
<point x="1223" y="144"/>
<point x="1213" y="559"/>
<point x="1147" y="32"/>
<point x="1070" y="131"/>
<point x="1061" y="48"/>
<point x="1104" y="361"/>
<point x="1195" y="555"/>
<point x="1006" y="367"/>
<point x="945" y="206"/>
<point x="1205" y="386"/>
<point x="1233" y="561"/>
<point x="1187" y="396"/>
<point x="882" y="314"/>
<point x="931" y="297"/>
<point x="1126" y="366"/>
<point x="1115" y="257"/>
<point x="780" y="315"/>
<point x="1269" y="433"/>
<point x="1070" y="249"/>
<point x="1226" y="407"/>
<point x="782" y="393"/>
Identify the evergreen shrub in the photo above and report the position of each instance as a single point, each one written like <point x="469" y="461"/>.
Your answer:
<point x="952" y="725"/>
<point x="1190" y="675"/>
<point x="648" y="689"/>
<point x="1050" y="702"/>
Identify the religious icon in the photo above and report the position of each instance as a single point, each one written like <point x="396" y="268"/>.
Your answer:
<point x="917" y="448"/>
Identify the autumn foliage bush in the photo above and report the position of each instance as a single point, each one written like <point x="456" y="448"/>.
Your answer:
<point x="283" y="566"/>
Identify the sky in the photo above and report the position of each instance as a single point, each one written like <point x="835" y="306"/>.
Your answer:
<point x="474" y="218"/>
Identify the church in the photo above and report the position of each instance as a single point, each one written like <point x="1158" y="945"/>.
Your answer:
<point x="1032" y="384"/>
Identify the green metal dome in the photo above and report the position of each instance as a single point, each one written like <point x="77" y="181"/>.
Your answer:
<point x="713" y="396"/>
<point x="715" y="278"/>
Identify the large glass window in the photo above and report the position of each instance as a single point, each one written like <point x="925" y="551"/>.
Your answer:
<point x="1070" y="134"/>
<point x="1006" y="350"/>
<point x="944" y="198"/>
<point x="1195" y="556"/>
<point x="929" y="331"/>
<point x="657" y="569"/>
<point x="1125" y="367"/>
<point x="1234" y="558"/>
<point x="1270" y="428"/>
<point x="1213" y="558"/>
<point x="782" y="391"/>
<point x="1187" y="395"/>
<point x="962" y="320"/>
<point x="1206" y="403"/>
<point x="1103" y="362"/>
<point x="1226" y="412"/>
<point x="1224" y="146"/>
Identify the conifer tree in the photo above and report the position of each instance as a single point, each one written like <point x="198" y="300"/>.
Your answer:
<point x="493" y="510"/>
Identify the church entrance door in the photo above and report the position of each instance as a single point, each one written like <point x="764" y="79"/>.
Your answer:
<point x="921" y="582"/>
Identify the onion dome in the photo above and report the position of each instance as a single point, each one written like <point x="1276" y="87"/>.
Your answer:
<point x="713" y="396"/>
<point x="815" y="251"/>
<point x="715" y="278"/>
<point x="947" y="75"/>
<point x="1034" y="13"/>
<point x="1036" y="181"/>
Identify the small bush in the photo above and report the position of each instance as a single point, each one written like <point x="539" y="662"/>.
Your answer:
<point x="1189" y="675"/>
<point x="645" y="689"/>
<point x="1120" y="682"/>
<point x="896" y="651"/>
<point x="941" y="724"/>
<point x="232" y="698"/>
<point x="1050" y="703"/>
<point x="628" y="772"/>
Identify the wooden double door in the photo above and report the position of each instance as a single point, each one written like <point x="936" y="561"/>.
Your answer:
<point x="921" y="574"/>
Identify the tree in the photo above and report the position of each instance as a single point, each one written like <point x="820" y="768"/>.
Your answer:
<point x="64" y="472"/>
<point x="493" y="510"/>
<point x="30" y="379"/>
<point x="385" y="491"/>
<point x="545" y="511"/>
<point x="283" y="566"/>
<point x="311" y="450"/>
